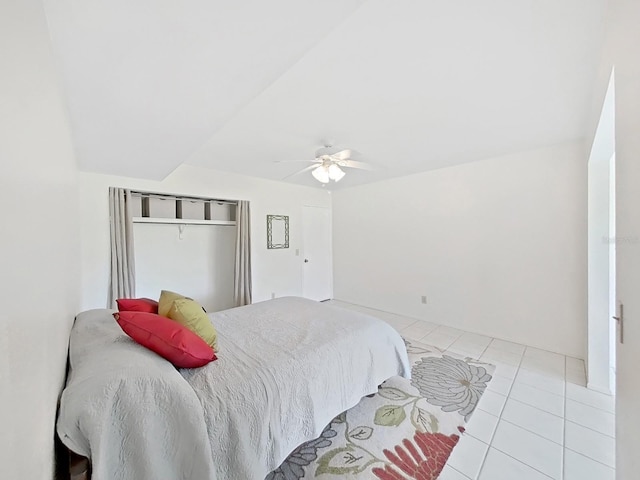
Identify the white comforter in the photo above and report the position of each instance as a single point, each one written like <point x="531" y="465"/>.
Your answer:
<point x="285" y="368"/>
<point x="128" y="410"/>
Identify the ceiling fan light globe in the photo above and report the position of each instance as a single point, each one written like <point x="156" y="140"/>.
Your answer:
<point x="335" y="172"/>
<point x="321" y="174"/>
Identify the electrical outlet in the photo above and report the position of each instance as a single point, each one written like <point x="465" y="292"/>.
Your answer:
<point x="424" y="299"/>
<point x="273" y="295"/>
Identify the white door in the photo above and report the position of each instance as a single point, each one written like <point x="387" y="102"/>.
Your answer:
<point x="627" y="78"/>
<point x="317" y="266"/>
<point x="628" y="296"/>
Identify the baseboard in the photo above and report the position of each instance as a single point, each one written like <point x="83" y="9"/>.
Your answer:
<point x="598" y="389"/>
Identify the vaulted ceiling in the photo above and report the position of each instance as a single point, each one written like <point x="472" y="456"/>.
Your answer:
<point x="411" y="85"/>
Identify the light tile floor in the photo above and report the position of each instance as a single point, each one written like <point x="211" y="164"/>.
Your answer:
<point x="536" y="421"/>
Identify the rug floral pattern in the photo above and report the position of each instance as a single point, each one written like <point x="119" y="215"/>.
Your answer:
<point x="405" y="431"/>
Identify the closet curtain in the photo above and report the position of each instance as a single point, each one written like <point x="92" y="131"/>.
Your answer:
<point x="242" y="274"/>
<point x="122" y="277"/>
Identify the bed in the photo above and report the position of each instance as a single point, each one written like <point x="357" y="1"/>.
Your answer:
<point x="285" y="369"/>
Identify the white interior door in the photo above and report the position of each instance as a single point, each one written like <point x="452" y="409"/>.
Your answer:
<point x="628" y="296"/>
<point x="627" y="76"/>
<point x="316" y="238"/>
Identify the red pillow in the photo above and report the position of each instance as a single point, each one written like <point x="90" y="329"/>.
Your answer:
<point x="137" y="305"/>
<point x="167" y="338"/>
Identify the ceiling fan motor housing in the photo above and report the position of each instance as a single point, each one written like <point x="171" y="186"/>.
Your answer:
<point x="327" y="150"/>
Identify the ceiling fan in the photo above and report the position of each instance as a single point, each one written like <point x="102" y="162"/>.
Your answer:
<point x="328" y="164"/>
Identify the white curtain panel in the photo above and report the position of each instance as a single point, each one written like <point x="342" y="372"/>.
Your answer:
<point x="242" y="276"/>
<point x="122" y="279"/>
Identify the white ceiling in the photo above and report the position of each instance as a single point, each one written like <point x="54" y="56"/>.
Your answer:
<point x="412" y="85"/>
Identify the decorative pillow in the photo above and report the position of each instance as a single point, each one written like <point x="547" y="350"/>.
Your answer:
<point x="137" y="305"/>
<point x="190" y="314"/>
<point x="167" y="338"/>
<point x="166" y="300"/>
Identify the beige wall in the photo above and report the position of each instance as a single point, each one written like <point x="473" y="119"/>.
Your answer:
<point x="38" y="245"/>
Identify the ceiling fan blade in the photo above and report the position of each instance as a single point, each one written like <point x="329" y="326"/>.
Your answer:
<point x="356" y="164"/>
<point x="293" y="161"/>
<point x="305" y="169"/>
<point x="341" y="155"/>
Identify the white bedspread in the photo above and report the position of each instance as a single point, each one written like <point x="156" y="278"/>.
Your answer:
<point x="285" y="368"/>
<point x="129" y="410"/>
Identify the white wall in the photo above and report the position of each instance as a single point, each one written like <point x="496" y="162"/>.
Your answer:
<point x="497" y="246"/>
<point x="274" y="271"/>
<point x="39" y="242"/>
<point x="199" y="262"/>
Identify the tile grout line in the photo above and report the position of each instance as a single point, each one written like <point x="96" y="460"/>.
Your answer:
<point x="562" y="445"/>
<point x="590" y="458"/>
<point x="522" y="462"/>
<point x="589" y="405"/>
<point x="545" y="390"/>
<point x="538" y="408"/>
<point x="533" y="433"/>
<point x="589" y="428"/>
<point x="485" y="348"/>
<point x="484" y="459"/>
<point x="566" y="398"/>
<point x="455" y="470"/>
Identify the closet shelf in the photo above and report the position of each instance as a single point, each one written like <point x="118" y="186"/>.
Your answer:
<point x="183" y="221"/>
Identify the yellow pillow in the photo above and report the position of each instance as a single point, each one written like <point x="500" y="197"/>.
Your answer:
<point x="166" y="301"/>
<point x="190" y="314"/>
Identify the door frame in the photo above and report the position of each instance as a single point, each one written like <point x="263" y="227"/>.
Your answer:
<point x="601" y="249"/>
<point x="304" y="218"/>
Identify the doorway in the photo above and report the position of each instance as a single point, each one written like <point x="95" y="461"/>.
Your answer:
<point x="601" y="365"/>
<point x="317" y="257"/>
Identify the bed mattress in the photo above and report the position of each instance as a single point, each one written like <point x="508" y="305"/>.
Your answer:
<point x="285" y="368"/>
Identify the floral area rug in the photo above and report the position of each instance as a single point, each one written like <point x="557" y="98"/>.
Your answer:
<point x="405" y="431"/>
